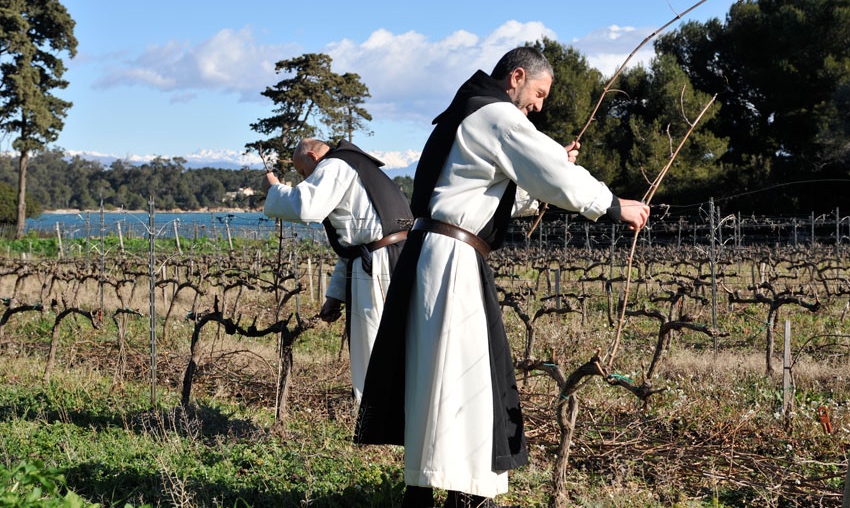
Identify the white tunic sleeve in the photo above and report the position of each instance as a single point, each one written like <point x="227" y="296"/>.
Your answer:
<point x="524" y="205"/>
<point x="334" y="191"/>
<point x="336" y="286"/>
<point x="313" y="199"/>
<point x="497" y="144"/>
<point x="539" y="165"/>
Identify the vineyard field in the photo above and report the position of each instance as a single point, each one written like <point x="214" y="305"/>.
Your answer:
<point x="196" y="373"/>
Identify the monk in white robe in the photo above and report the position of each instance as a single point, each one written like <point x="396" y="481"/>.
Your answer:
<point x="345" y="189"/>
<point x="442" y="356"/>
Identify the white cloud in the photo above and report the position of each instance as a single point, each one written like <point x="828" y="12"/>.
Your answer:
<point x="608" y="63"/>
<point x="412" y="78"/>
<point x="87" y="154"/>
<point x="212" y="158"/>
<point x="408" y="75"/>
<point x="230" y="61"/>
<point x="608" y="48"/>
<point x="232" y="158"/>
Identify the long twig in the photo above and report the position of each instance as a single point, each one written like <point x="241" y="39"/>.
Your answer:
<point x="626" y="62"/>
<point x="607" y="89"/>
<point x="646" y="199"/>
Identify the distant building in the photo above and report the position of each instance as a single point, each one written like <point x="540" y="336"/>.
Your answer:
<point x="242" y="192"/>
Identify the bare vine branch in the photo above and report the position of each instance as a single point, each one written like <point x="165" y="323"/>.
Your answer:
<point x="647" y="197"/>
<point x="607" y="89"/>
<point x="626" y="62"/>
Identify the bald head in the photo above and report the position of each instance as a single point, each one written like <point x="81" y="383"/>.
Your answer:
<point x="307" y="154"/>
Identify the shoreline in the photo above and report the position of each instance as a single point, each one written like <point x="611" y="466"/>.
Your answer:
<point x="70" y="211"/>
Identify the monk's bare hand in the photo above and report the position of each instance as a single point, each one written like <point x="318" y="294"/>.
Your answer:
<point x="634" y="213"/>
<point x="269" y="180"/>
<point x="572" y="151"/>
<point x="331" y="310"/>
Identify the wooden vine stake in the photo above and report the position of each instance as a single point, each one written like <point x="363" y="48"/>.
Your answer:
<point x="607" y="88"/>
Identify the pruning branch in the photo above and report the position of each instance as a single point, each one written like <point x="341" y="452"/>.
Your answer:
<point x="607" y="89"/>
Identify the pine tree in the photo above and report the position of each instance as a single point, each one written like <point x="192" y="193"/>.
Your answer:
<point x="33" y="35"/>
<point x="310" y="95"/>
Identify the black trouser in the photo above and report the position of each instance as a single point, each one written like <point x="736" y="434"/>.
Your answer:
<point x="423" y="497"/>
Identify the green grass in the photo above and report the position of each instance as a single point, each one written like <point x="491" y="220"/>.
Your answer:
<point x="38" y="246"/>
<point x="114" y="451"/>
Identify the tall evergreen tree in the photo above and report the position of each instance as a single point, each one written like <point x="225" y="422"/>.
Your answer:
<point x="33" y="35"/>
<point x="657" y="107"/>
<point x="349" y="115"/>
<point x="310" y="95"/>
<point x="784" y="69"/>
<point x="629" y="139"/>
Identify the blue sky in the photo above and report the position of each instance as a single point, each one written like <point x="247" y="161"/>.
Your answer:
<point x="183" y="77"/>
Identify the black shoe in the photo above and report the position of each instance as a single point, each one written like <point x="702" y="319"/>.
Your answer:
<point x="456" y="499"/>
<point x="418" y="497"/>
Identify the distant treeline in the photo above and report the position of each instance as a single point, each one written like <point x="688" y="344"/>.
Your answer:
<point x="56" y="182"/>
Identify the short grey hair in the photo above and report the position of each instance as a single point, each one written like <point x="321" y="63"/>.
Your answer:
<point x="531" y="59"/>
<point x="307" y="145"/>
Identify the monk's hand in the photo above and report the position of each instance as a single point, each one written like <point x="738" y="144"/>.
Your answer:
<point x="269" y="179"/>
<point x="634" y="213"/>
<point x="572" y="151"/>
<point x="331" y="310"/>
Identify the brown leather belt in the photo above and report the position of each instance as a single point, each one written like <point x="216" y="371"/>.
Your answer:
<point x="387" y="240"/>
<point x="450" y="230"/>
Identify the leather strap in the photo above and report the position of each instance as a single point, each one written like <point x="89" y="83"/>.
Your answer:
<point x="387" y="240"/>
<point x="450" y="230"/>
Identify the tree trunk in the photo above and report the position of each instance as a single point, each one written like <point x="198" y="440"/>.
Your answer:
<point x="567" y="413"/>
<point x="194" y="357"/>
<point x="771" y="316"/>
<point x="22" y="191"/>
<point x="284" y="379"/>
